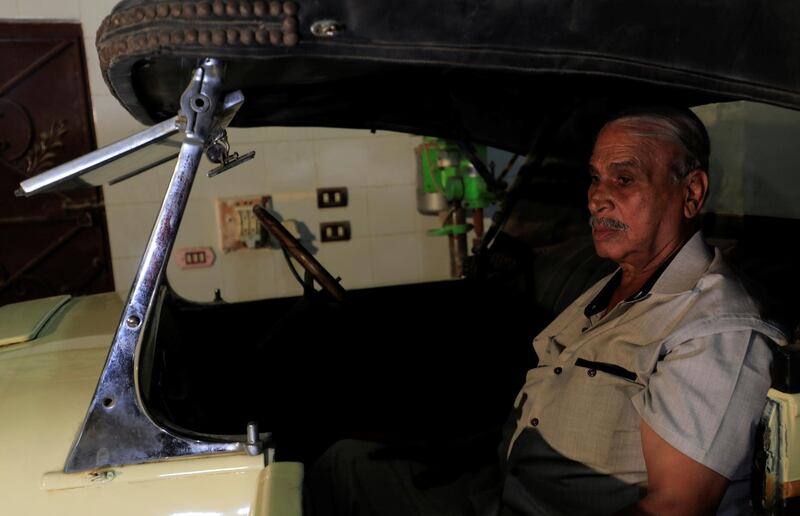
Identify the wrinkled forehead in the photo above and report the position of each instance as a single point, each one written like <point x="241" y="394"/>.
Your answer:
<point x="635" y="138"/>
<point x="643" y="126"/>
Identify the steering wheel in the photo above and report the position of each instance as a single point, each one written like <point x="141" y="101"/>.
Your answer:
<point x="290" y="244"/>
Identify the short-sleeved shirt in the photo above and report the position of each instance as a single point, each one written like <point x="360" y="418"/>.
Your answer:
<point x="687" y="354"/>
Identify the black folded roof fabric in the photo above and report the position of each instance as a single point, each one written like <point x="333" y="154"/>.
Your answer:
<point x="484" y="71"/>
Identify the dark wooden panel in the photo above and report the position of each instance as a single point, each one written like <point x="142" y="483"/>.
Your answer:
<point x="57" y="242"/>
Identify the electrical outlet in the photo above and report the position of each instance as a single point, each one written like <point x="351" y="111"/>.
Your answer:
<point x="334" y="231"/>
<point x="331" y="197"/>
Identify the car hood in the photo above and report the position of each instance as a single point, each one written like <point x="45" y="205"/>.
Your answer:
<point x="47" y="383"/>
<point x="483" y="71"/>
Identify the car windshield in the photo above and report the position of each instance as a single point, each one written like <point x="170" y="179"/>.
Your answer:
<point x="389" y="243"/>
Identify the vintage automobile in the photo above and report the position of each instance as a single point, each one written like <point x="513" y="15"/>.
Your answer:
<point x="159" y="405"/>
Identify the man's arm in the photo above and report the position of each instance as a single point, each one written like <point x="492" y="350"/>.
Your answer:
<point x="677" y="484"/>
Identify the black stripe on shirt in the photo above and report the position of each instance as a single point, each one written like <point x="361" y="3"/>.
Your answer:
<point x="612" y="369"/>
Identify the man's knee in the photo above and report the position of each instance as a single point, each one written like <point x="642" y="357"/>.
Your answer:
<point x="333" y="482"/>
<point x="343" y="457"/>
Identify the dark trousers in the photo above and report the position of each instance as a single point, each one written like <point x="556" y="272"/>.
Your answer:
<point x="352" y="479"/>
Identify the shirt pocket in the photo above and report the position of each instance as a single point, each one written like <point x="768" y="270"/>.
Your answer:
<point x="605" y="427"/>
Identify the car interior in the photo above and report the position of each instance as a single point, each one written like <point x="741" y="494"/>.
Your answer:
<point x="311" y="370"/>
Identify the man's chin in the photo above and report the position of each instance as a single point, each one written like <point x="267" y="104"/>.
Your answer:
<point x="605" y="243"/>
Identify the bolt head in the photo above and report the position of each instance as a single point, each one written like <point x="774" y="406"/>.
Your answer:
<point x="326" y="28"/>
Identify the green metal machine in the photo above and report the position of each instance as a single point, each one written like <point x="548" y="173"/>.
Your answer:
<point x="448" y="183"/>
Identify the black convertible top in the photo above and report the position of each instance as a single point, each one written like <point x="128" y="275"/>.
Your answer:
<point x="488" y="71"/>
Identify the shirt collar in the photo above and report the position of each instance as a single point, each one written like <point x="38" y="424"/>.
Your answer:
<point x="689" y="264"/>
<point x="678" y="273"/>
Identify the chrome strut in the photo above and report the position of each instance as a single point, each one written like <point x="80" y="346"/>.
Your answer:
<point x="117" y="429"/>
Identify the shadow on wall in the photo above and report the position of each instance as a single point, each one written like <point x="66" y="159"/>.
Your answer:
<point x="299" y="229"/>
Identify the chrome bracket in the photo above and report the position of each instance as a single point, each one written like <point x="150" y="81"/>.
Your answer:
<point x="117" y="429"/>
<point x="219" y="151"/>
<point x="253" y="444"/>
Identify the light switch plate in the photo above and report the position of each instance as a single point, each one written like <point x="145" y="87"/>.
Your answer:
<point x="238" y="226"/>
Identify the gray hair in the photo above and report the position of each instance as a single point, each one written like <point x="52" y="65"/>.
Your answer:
<point x="677" y="125"/>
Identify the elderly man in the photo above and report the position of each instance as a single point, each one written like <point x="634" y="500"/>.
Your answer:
<point x="648" y="387"/>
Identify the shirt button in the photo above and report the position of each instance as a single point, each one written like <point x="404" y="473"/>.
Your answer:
<point x="591" y="372"/>
<point x="557" y="370"/>
<point x="535" y="421"/>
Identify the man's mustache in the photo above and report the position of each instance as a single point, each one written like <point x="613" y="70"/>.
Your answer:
<point x="599" y="222"/>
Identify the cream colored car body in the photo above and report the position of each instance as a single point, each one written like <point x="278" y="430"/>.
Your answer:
<point x="46" y="384"/>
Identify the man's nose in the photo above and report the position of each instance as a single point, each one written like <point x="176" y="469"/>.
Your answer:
<point x="599" y="200"/>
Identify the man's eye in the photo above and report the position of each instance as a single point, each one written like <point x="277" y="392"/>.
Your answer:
<point x="594" y="178"/>
<point x="625" y="180"/>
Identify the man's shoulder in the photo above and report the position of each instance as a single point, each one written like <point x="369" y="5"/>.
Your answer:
<point x="722" y="300"/>
<point x="723" y="289"/>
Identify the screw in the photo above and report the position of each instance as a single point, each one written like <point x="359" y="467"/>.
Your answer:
<point x="102" y="476"/>
<point x="133" y="321"/>
<point x="216" y="153"/>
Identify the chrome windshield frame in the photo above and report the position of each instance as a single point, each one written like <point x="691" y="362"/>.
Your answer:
<point x="117" y="429"/>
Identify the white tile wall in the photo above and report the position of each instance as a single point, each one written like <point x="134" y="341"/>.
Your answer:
<point x="342" y="161"/>
<point x="129" y="226"/>
<point x="63" y="9"/>
<point x="193" y="232"/>
<point x="388" y="245"/>
<point x="8" y="9"/>
<point x="146" y="187"/>
<point x="111" y="121"/>
<point x="97" y="86"/>
<point x="392" y="209"/>
<point x="389" y="160"/>
<point x="249" y="274"/>
<point x="268" y="134"/>
<point x="435" y="257"/>
<point x="124" y="271"/>
<point x="289" y="165"/>
<point x="397" y="258"/>
<point x="351" y="261"/>
<point x="92" y="14"/>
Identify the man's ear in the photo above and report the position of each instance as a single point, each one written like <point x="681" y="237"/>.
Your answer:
<point x="696" y="190"/>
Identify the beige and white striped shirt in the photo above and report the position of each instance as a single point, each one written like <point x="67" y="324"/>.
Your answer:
<point x="688" y="354"/>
